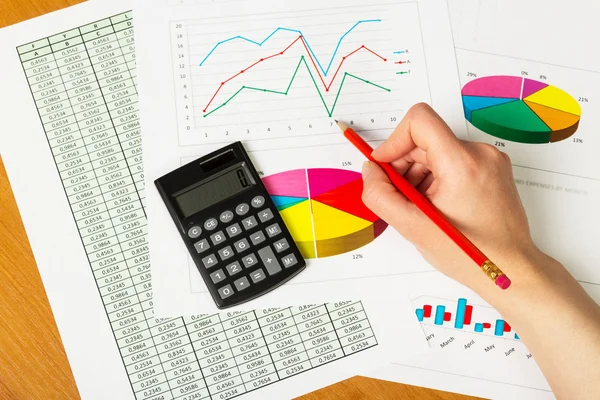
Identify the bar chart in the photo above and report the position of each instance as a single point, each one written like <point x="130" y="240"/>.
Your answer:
<point x="458" y="314"/>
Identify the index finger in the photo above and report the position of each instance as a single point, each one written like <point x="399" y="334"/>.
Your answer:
<point x="421" y="127"/>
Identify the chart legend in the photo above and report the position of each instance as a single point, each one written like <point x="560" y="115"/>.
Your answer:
<point x="520" y="109"/>
<point x="323" y="210"/>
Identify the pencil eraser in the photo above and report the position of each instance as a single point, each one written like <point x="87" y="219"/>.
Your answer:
<point x="503" y="282"/>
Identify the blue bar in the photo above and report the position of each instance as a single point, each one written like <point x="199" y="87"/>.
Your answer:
<point x="478" y="327"/>
<point x="439" y="315"/>
<point x="517" y="337"/>
<point x="499" y="331"/>
<point x="460" y="313"/>
<point x="420" y="314"/>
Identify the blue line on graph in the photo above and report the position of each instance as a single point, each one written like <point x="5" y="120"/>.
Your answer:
<point x="399" y="52"/>
<point x="325" y="71"/>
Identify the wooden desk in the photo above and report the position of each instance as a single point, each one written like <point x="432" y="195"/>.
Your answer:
<point x="33" y="363"/>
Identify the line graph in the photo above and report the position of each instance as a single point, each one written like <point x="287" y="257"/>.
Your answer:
<point x="280" y="75"/>
<point x="285" y="93"/>
<point x="326" y="86"/>
<point x="324" y="71"/>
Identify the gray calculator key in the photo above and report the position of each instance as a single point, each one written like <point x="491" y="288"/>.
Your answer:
<point x="194" y="232"/>
<point x="281" y="245"/>
<point x="226" y="216"/>
<point x="241" y="245"/>
<point x="257" y="275"/>
<point x="258" y="201"/>
<point x="210" y="224"/>
<point x="265" y="215"/>
<point x="242" y="209"/>
<point x="257" y="237"/>
<point x="234" y="268"/>
<point x="290" y="260"/>
<point x="273" y="230"/>
<point x="209" y="261"/>
<point x="225" y="291"/>
<point x="225" y="253"/>
<point x="249" y="261"/>
<point x="233" y="230"/>
<point x="201" y="246"/>
<point x="241" y="283"/>
<point x="269" y="260"/>
<point x="218" y="237"/>
<point x="217" y="276"/>
<point x="249" y="223"/>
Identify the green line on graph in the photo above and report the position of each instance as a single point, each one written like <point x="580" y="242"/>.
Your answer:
<point x="285" y="93"/>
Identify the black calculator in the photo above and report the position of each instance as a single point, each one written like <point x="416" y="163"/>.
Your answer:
<point x="230" y="226"/>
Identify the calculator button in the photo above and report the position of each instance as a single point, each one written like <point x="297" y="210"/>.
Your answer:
<point x="234" y="268"/>
<point x="225" y="253"/>
<point x="241" y="283"/>
<point x="242" y="209"/>
<point x="273" y="230"/>
<point x="289" y="260"/>
<point x="233" y="230"/>
<point x="257" y="275"/>
<point x="194" y="232"/>
<point x="217" y="276"/>
<point x="241" y="245"/>
<point x="269" y="260"/>
<point x="226" y="216"/>
<point x="257" y="237"/>
<point x="210" y="224"/>
<point x="249" y="223"/>
<point x="201" y="246"/>
<point x="209" y="261"/>
<point x="281" y="245"/>
<point x="217" y="238"/>
<point x="265" y="215"/>
<point x="225" y="291"/>
<point x="249" y="260"/>
<point x="258" y="201"/>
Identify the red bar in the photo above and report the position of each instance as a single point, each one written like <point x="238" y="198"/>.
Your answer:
<point x="447" y="316"/>
<point x="468" y="314"/>
<point x="427" y="311"/>
<point x="487" y="325"/>
<point x="506" y="327"/>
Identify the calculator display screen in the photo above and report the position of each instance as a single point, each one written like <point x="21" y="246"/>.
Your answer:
<point x="198" y="197"/>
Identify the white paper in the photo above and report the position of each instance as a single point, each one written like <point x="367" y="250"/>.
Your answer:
<point x="558" y="183"/>
<point x="95" y="268"/>
<point x="198" y="45"/>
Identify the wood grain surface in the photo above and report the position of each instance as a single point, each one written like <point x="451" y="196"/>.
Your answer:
<point x="33" y="363"/>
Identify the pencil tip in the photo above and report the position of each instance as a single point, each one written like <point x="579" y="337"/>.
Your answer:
<point x="342" y="126"/>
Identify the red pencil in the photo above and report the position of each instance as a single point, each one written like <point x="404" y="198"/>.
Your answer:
<point x="488" y="267"/>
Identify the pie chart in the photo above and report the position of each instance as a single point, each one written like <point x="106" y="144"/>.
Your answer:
<point x="520" y="109"/>
<point x="323" y="210"/>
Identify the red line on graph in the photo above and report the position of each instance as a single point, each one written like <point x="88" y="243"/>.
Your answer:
<point x="400" y="62"/>
<point x="311" y="59"/>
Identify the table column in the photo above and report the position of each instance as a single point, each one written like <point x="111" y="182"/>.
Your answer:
<point x="318" y="335"/>
<point x="352" y="326"/>
<point x="284" y="341"/>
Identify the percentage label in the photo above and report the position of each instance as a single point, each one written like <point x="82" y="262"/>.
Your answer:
<point x="346" y="163"/>
<point x="499" y="144"/>
<point x="260" y="173"/>
<point x="543" y="77"/>
<point x="472" y="74"/>
<point x="583" y="100"/>
<point x="524" y="73"/>
<point x="577" y="140"/>
<point x="357" y="256"/>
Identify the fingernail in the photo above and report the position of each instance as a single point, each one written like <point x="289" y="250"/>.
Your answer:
<point x="366" y="169"/>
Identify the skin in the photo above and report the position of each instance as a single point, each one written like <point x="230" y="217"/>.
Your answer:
<point x="473" y="186"/>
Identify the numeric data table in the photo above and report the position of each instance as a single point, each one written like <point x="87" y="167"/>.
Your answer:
<point x="83" y="83"/>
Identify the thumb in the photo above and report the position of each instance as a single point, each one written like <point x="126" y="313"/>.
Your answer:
<point x="382" y="197"/>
